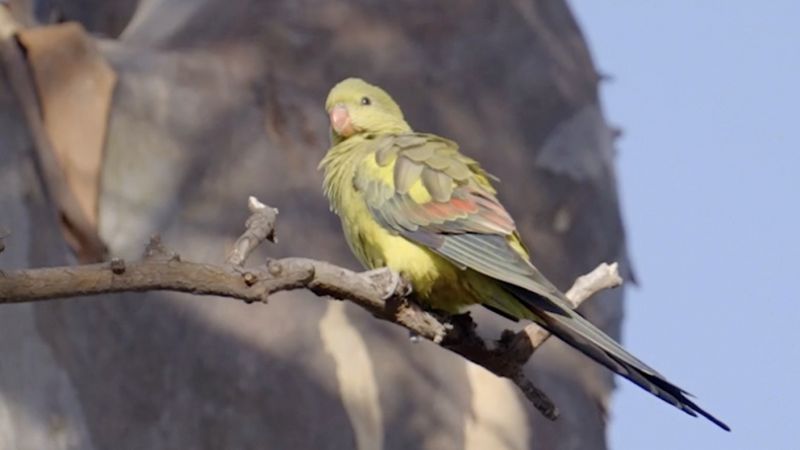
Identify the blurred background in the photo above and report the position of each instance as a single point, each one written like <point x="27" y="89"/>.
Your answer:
<point x="119" y="119"/>
<point x="706" y="96"/>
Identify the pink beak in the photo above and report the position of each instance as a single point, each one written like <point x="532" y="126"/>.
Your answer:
<point x="340" y="121"/>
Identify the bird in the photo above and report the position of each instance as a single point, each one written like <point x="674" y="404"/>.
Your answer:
<point x="414" y="203"/>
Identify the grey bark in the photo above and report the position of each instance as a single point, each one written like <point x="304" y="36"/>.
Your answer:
<point x="219" y="100"/>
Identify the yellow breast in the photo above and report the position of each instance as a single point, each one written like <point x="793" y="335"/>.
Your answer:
<point x="375" y="247"/>
<point x="434" y="279"/>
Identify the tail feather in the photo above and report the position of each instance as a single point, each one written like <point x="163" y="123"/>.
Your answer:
<point x="572" y="328"/>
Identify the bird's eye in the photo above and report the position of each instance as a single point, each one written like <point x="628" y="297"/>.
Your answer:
<point x="366" y="101"/>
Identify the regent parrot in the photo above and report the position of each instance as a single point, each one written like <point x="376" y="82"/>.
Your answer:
<point x="412" y="202"/>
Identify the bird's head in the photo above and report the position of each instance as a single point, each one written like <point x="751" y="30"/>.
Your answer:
<point x="357" y="107"/>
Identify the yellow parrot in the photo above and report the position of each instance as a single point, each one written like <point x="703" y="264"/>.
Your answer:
<point x="412" y="202"/>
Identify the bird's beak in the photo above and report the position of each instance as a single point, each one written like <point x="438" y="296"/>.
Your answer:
<point x="340" y="120"/>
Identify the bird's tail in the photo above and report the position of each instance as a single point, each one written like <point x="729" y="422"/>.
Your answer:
<point x="572" y="328"/>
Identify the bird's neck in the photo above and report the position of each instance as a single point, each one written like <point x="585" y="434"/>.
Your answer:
<point x="339" y="165"/>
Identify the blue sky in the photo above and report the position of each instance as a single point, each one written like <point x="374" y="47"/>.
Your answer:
<point x="708" y="97"/>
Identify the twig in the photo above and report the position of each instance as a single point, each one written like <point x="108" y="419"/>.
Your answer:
<point x="605" y="276"/>
<point x="377" y="292"/>
<point x="260" y="226"/>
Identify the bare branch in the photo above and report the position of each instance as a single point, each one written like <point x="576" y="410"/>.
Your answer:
<point x="383" y="293"/>
<point x="260" y="226"/>
<point x="604" y="276"/>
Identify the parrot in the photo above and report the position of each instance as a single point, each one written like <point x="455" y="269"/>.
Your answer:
<point x="413" y="203"/>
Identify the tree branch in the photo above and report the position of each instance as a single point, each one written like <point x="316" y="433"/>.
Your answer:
<point x="383" y="293"/>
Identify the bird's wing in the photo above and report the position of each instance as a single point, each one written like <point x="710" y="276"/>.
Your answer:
<point x="421" y="187"/>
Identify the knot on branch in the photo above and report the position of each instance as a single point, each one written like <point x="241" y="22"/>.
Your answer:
<point x="117" y="266"/>
<point x="157" y="251"/>
<point x="287" y="274"/>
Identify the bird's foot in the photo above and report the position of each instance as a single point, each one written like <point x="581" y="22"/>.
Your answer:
<point x="389" y="281"/>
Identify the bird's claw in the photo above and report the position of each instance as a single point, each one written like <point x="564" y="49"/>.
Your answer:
<point x="389" y="281"/>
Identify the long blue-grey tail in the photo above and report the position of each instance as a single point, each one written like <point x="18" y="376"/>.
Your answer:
<point x="572" y="328"/>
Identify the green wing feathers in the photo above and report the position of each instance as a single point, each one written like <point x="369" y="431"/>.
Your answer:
<point x="421" y="183"/>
